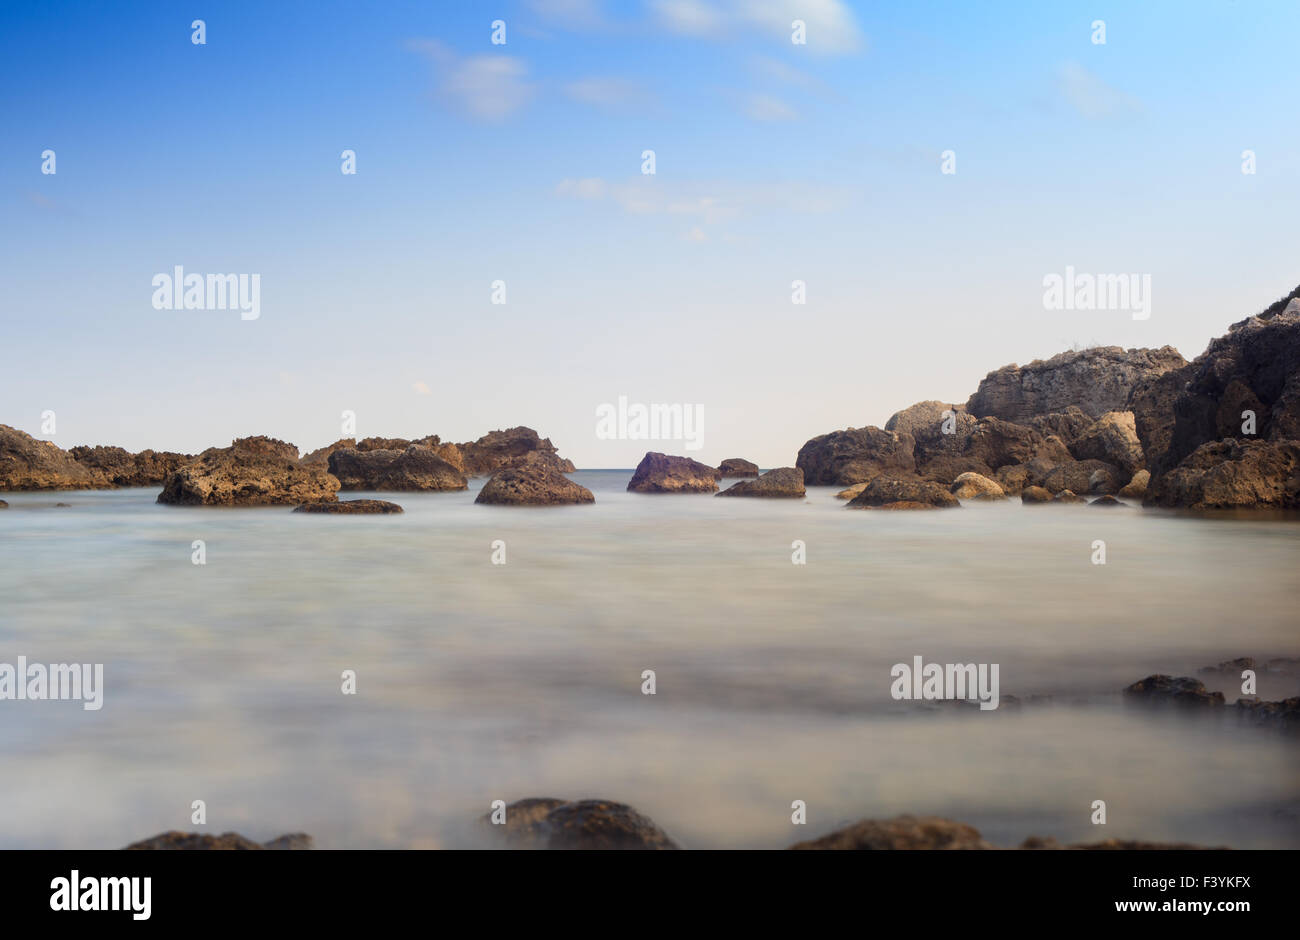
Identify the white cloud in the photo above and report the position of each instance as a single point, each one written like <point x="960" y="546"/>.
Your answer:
<point x="1091" y="96"/>
<point x="831" y="27"/>
<point x="606" y="92"/>
<point x="487" y="87"/>
<point x="768" y="108"/>
<point x="574" y="14"/>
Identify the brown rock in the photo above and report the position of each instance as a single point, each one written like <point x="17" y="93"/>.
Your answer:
<point x="842" y="458"/>
<point x="975" y="486"/>
<point x="1136" y="488"/>
<point x="1035" y="494"/>
<point x="193" y="841"/>
<point x="661" y="473"/>
<point x="1184" y="690"/>
<point x="352" y="507"/>
<point x="998" y="443"/>
<point x="119" y="467"/>
<point x="580" y="825"/>
<point x="29" y="464"/>
<point x="946" y="469"/>
<point x="252" y="471"/>
<point x="415" y="468"/>
<point x="1105" y="501"/>
<point x="1083" y="476"/>
<point x="900" y="833"/>
<point x="903" y="493"/>
<point x="535" y="484"/>
<point x="1067" y="496"/>
<point x="1113" y="439"/>
<point x="1232" y="474"/>
<point x="737" y="467"/>
<point x="784" y="482"/>
<point x="851" y="491"/>
<point x="509" y="448"/>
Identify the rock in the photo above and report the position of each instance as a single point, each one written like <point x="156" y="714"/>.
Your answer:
<point x="351" y="507"/>
<point x="998" y="443"/>
<point x="1183" y="690"/>
<point x="535" y="484"/>
<point x="903" y="493"/>
<point x="582" y="825"/>
<point x="922" y="416"/>
<point x="782" y="482"/>
<point x="1255" y="366"/>
<point x="415" y="468"/>
<point x="62" y="505"/>
<point x="1121" y="845"/>
<point x="1068" y="496"/>
<point x="1083" y="476"/>
<point x="1035" y="494"/>
<point x="321" y="455"/>
<point x="842" y="458"/>
<point x="1136" y="488"/>
<point x="1152" y="404"/>
<point x="946" y="469"/>
<point x="737" y="467"/>
<point x="1231" y="474"/>
<point x="1230" y="666"/>
<point x="851" y="492"/>
<point x="3" y="504"/>
<point x="900" y="833"/>
<point x="1095" y="380"/>
<point x="974" y="486"/>
<point x="1066" y="425"/>
<point x="194" y="841"/>
<point x="1283" y="715"/>
<point x="660" y="473"/>
<point x="119" y="467"/>
<point x="252" y="471"/>
<point x="510" y="448"/>
<point x="1113" y="439"/>
<point x="29" y="464"/>
<point x="1105" y="501"/>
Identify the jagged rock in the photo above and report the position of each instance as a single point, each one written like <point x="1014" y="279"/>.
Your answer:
<point x="1083" y="476"/>
<point x="252" y="471"/>
<point x="582" y="825"/>
<point x="1066" y="425"/>
<point x="321" y="455"/>
<point x="415" y="468"/>
<point x="1035" y="494"/>
<point x="1095" y="380"/>
<point x="1152" y="404"/>
<point x="119" y="467"/>
<point x="1232" y="474"/>
<point x="946" y="469"/>
<point x="510" y="448"/>
<point x="29" y="464"/>
<point x="1113" y="439"/>
<point x="851" y="491"/>
<point x="352" y="507"/>
<point x="900" y="833"/>
<point x="1255" y="366"/>
<point x="661" y="473"/>
<point x="1068" y="496"/>
<point x="534" y="484"/>
<point x="1136" y="488"/>
<point x="903" y="493"/>
<point x="856" y="455"/>
<point x="194" y="841"/>
<point x="975" y="486"/>
<point x="1283" y="715"/>
<point x="1183" y="690"/>
<point x="922" y="416"/>
<point x="737" y="467"/>
<point x="998" y="443"/>
<point x="1105" y="501"/>
<point x="784" y="482"/>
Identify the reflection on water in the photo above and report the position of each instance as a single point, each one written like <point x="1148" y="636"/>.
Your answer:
<point x="479" y="682"/>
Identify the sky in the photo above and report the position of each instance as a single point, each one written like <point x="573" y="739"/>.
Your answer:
<point x="522" y="162"/>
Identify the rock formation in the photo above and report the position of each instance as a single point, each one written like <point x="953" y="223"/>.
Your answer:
<point x="415" y="468"/>
<point x="584" y="824"/>
<point x="533" y="484"/>
<point x="856" y="455"/>
<point x="661" y="473"/>
<point x="347" y="507"/>
<point x="252" y="471"/>
<point x="903" y="493"/>
<point x="784" y="482"/>
<point x="737" y="467"/>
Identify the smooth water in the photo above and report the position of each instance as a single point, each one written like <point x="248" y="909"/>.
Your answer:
<point x="478" y="682"/>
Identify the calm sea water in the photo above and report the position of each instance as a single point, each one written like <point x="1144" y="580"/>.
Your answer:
<point x="478" y="682"/>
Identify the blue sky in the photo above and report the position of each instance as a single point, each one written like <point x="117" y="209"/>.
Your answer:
<point x="522" y="163"/>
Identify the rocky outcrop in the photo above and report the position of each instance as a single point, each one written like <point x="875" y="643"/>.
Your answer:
<point x="252" y="471"/>
<point x="1035" y="494"/>
<point x="903" y="493"/>
<point x="998" y="443"/>
<point x="117" y="466"/>
<point x="975" y="486"/>
<point x="228" y="841"/>
<point x="1095" y="380"/>
<point x="1254" y="367"/>
<point x="1152" y="404"/>
<point x="901" y="833"/>
<point x="921" y="417"/>
<point x="842" y="458"/>
<point x="737" y="467"/>
<point x="1283" y="715"/>
<point x="352" y="507"/>
<point x="662" y="473"/>
<point x="581" y="825"/>
<point x="1083" y="476"/>
<point x="29" y="464"/>
<point x="510" y="448"/>
<point x="1136" y="488"/>
<point x="1182" y="691"/>
<point x="1112" y="438"/>
<point x="1232" y="474"/>
<point x="415" y="468"/>
<point x="783" y="482"/>
<point x="533" y="484"/>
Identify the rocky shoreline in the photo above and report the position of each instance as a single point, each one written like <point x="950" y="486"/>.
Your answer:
<point x="1219" y="432"/>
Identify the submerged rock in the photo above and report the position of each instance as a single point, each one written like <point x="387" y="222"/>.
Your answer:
<point x="737" y="467"/>
<point x="1035" y="494"/>
<point x="903" y="493"/>
<point x="901" y="833"/>
<point x="252" y="471"/>
<point x="583" y="825"/>
<point x="1283" y="715"/>
<point x="536" y="484"/>
<point x="1183" y="690"/>
<point x="228" y="841"/>
<point x="1068" y="496"/>
<point x="351" y="507"/>
<point x="661" y="473"/>
<point x="783" y="482"/>
<point x="1105" y="501"/>
<point x="851" y="491"/>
